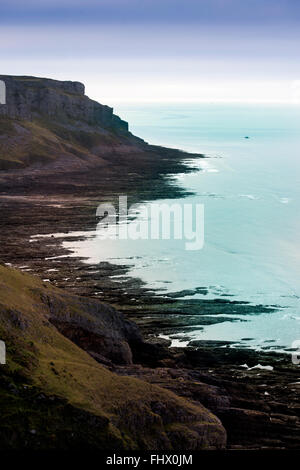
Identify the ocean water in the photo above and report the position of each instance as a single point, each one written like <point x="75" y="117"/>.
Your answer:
<point x="250" y="188"/>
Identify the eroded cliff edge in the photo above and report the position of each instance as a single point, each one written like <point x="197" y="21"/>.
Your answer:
<point x="49" y="124"/>
<point x="32" y="98"/>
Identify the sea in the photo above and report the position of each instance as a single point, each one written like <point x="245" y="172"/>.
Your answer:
<point x="249" y="186"/>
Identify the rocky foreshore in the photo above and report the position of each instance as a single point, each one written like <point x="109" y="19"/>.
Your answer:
<point x="258" y="407"/>
<point x="255" y="395"/>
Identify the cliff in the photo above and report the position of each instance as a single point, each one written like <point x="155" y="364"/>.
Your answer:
<point x="53" y="125"/>
<point x="31" y="98"/>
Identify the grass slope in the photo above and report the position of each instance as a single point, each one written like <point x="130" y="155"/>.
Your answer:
<point x="42" y="142"/>
<point x="76" y="391"/>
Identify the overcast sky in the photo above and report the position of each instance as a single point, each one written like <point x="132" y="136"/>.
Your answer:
<point x="158" y="50"/>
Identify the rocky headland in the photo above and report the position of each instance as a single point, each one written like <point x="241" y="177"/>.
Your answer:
<point x="83" y="351"/>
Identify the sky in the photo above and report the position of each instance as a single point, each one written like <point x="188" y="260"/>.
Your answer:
<point x="137" y="51"/>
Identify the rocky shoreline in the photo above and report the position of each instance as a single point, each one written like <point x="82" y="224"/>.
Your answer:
<point x="258" y="407"/>
<point x="255" y="395"/>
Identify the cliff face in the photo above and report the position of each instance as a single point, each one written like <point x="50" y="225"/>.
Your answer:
<point x="52" y="125"/>
<point x="30" y="98"/>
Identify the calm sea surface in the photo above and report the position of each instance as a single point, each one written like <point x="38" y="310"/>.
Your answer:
<point x="250" y="189"/>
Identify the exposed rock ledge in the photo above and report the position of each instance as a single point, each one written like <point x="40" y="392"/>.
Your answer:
<point x="52" y="126"/>
<point x="30" y="98"/>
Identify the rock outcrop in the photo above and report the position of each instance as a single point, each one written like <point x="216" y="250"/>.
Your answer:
<point x="101" y="331"/>
<point x="30" y="98"/>
<point x="50" y="125"/>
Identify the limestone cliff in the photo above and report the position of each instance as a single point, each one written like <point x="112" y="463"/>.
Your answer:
<point x="30" y="98"/>
<point x="50" y="125"/>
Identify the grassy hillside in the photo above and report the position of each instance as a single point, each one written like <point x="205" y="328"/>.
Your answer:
<point x="51" y="390"/>
<point x="26" y="143"/>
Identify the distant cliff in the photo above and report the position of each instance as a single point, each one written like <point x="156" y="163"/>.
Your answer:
<point x="32" y="98"/>
<point x="53" y="125"/>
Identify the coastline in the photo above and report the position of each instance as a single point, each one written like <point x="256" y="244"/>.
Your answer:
<point x="240" y="397"/>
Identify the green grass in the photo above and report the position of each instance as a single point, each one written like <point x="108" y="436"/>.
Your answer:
<point x="25" y="142"/>
<point x="38" y="354"/>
